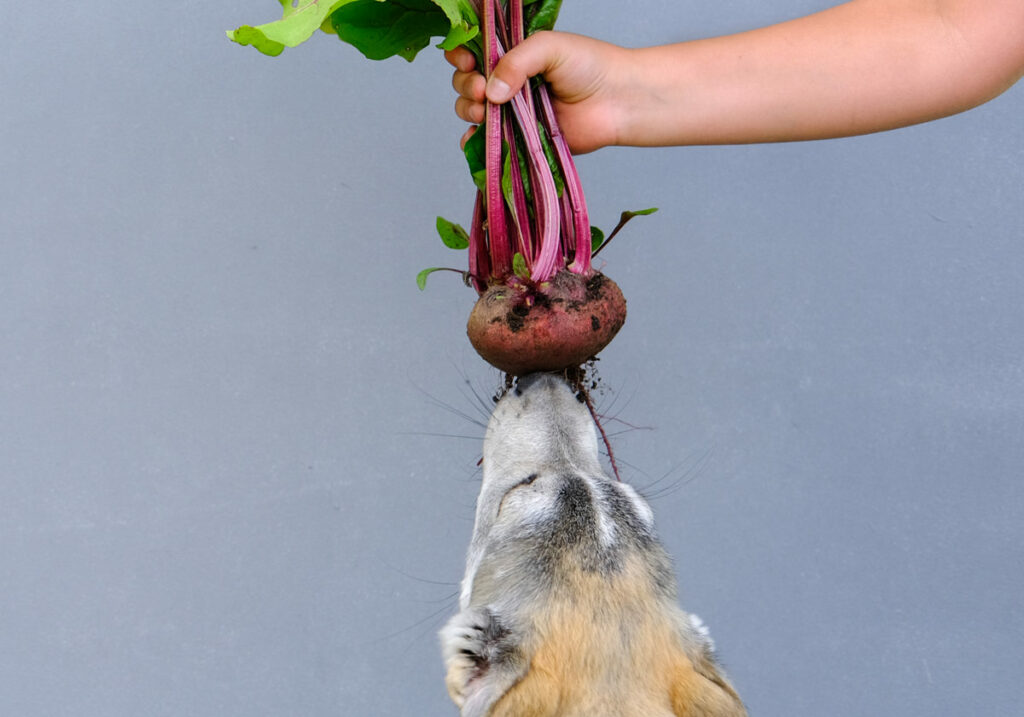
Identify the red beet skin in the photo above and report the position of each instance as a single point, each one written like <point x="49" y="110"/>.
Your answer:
<point x="556" y="325"/>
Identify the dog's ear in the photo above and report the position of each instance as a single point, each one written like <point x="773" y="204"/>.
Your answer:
<point x="700" y="690"/>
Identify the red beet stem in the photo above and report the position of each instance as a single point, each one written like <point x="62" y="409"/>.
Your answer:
<point x="573" y="187"/>
<point x="497" y="231"/>
<point x="546" y="259"/>
<point x="549" y="231"/>
<point x="479" y="258"/>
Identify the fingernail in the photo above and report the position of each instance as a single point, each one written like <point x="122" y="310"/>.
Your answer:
<point x="498" y="91"/>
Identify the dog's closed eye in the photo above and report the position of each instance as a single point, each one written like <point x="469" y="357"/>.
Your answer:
<point x="527" y="480"/>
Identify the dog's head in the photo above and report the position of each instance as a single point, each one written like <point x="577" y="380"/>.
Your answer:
<point x="544" y="491"/>
<point x="568" y="598"/>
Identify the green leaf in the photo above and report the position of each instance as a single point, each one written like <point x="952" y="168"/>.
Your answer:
<point x="543" y="16"/>
<point x="384" y="29"/>
<point x="596" y="238"/>
<point x="476" y="158"/>
<point x="626" y="216"/>
<point x="519" y="267"/>
<point x="453" y="235"/>
<point x="378" y="28"/>
<point x="301" y="18"/>
<point x="524" y="170"/>
<point x="506" y="177"/>
<point x="421" y="278"/>
<point x="623" y="220"/>
<point x="464" y="23"/>
<point x="458" y="35"/>
<point x="552" y="158"/>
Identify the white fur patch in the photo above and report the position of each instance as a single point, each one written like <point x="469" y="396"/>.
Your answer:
<point x="702" y="630"/>
<point x="643" y="510"/>
<point x="606" y="531"/>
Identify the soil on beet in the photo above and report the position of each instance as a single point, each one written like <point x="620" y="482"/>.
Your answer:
<point x="515" y="319"/>
<point x="564" y="323"/>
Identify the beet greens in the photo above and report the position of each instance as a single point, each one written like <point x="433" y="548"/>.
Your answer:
<point x="530" y="218"/>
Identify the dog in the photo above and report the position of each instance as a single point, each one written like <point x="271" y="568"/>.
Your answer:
<point x="568" y="606"/>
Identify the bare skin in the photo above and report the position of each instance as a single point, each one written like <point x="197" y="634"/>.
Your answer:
<point x="860" y="67"/>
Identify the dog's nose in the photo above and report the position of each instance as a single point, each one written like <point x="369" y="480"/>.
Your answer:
<point x="525" y="382"/>
<point x="530" y="380"/>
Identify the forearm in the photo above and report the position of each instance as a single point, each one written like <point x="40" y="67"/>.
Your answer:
<point x="864" y="66"/>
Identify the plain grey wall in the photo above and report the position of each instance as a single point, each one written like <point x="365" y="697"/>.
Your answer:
<point x="238" y="446"/>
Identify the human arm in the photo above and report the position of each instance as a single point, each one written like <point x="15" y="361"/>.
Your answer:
<point x="863" y="66"/>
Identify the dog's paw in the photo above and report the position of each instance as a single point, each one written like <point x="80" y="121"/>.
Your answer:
<point x="464" y="648"/>
<point x="475" y="644"/>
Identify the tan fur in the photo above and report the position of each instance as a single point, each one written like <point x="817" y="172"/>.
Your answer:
<point x="568" y="606"/>
<point x="611" y="648"/>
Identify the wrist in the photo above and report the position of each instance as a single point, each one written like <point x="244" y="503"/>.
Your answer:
<point x="647" y="95"/>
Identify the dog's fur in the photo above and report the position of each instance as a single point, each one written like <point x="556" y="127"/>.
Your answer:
<point x="568" y="605"/>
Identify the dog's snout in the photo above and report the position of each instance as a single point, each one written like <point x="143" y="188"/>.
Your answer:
<point x="525" y="383"/>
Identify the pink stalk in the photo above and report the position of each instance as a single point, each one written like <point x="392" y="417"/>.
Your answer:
<point x="497" y="231"/>
<point x="560" y="229"/>
<point x="546" y="259"/>
<point x="518" y="34"/>
<point x="573" y="187"/>
<point x="568" y="242"/>
<point x="516" y="16"/>
<point x="479" y="258"/>
<point x="501" y="27"/>
<point x="519" y="211"/>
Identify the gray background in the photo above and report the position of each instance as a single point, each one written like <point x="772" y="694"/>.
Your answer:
<point x="238" y="446"/>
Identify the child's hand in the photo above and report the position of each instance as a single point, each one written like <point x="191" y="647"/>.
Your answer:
<point x="861" y="66"/>
<point x="585" y="76"/>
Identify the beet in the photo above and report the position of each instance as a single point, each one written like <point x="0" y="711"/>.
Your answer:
<point x="555" y="325"/>
<point x="542" y="306"/>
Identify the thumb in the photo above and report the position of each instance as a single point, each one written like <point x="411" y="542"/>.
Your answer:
<point x="534" y="56"/>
